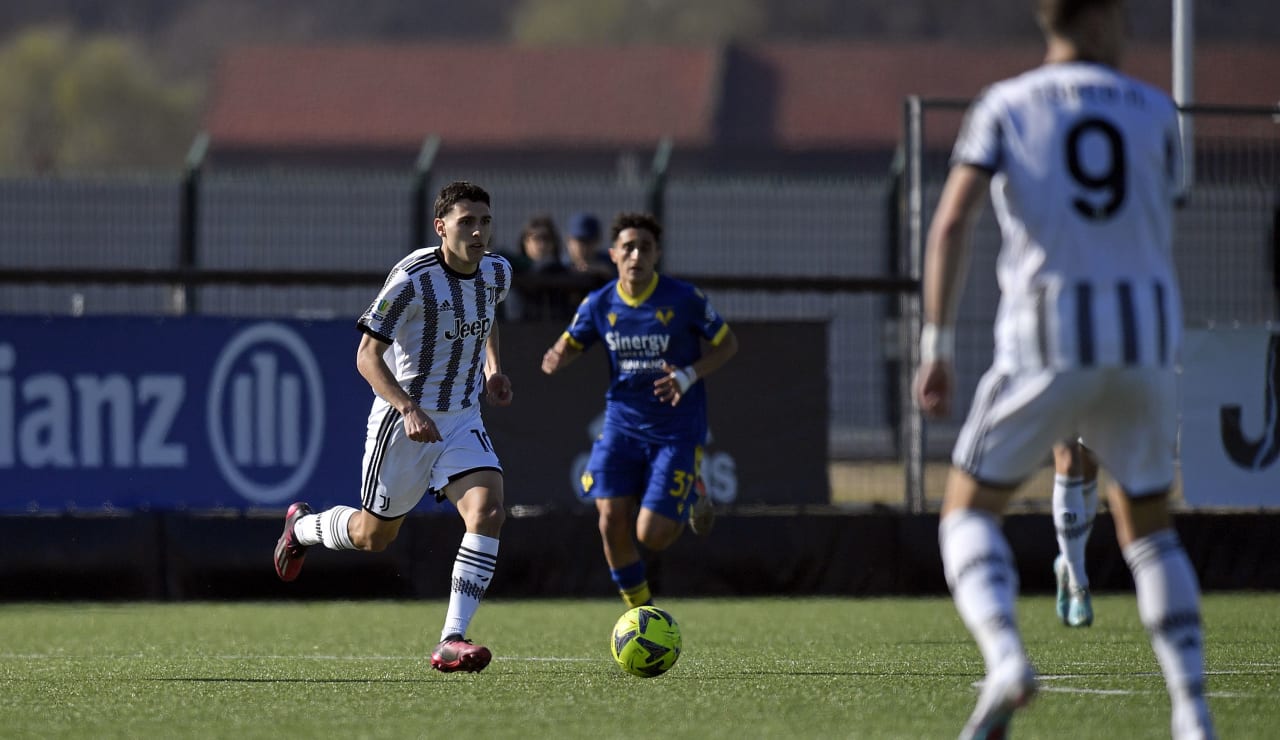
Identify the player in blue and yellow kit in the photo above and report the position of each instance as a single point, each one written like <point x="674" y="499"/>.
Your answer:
<point x="644" y="465"/>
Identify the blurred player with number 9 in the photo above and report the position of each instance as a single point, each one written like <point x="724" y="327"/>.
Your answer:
<point x="1084" y="167"/>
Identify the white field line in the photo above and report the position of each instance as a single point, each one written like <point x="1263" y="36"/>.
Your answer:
<point x="1046" y="681"/>
<point x="1243" y="669"/>
<point x="1046" y="684"/>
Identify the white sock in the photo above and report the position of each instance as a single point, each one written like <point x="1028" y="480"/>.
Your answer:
<point x="472" y="570"/>
<point x="980" y="570"/>
<point x="1074" y="507"/>
<point x="1169" y="605"/>
<point x="328" y="528"/>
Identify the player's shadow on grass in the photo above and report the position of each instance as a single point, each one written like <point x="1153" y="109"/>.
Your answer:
<point x="851" y="673"/>
<point x="224" y="679"/>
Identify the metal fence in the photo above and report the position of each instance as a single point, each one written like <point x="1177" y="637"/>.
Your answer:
<point x="843" y="250"/>
<point x="319" y="243"/>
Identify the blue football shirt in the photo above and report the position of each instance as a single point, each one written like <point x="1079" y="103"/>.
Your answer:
<point x="666" y="323"/>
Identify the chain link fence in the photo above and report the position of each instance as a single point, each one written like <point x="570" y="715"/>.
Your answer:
<point x="840" y="250"/>
<point x="352" y="226"/>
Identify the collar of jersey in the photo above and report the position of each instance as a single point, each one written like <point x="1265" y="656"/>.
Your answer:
<point x="451" y="271"/>
<point x="644" y="294"/>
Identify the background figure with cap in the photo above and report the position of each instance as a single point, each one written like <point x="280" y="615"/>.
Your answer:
<point x="586" y="256"/>
<point x="586" y="252"/>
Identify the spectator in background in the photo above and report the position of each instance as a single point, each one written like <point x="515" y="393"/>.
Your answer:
<point x="540" y="271"/>
<point x="586" y="254"/>
<point x="540" y="249"/>
<point x="589" y="263"/>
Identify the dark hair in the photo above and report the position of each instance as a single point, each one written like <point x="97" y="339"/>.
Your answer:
<point x="1057" y="16"/>
<point x="632" y="220"/>
<point x="542" y="222"/>
<point x="457" y="191"/>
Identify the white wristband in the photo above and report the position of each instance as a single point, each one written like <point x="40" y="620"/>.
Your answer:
<point x="685" y="377"/>
<point x="937" y="343"/>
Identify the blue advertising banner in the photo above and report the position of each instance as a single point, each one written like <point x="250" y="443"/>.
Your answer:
<point x="203" y="413"/>
<point x="178" y="413"/>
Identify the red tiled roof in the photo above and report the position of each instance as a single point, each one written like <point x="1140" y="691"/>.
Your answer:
<point x="470" y="94"/>
<point x="785" y="96"/>
<point x="832" y="96"/>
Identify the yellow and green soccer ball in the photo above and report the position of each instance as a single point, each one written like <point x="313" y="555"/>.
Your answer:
<point x="646" y="641"/>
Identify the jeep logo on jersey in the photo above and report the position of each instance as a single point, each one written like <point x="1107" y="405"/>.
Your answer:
<point x="265" y="413"/>
<point x="461" y="330"/>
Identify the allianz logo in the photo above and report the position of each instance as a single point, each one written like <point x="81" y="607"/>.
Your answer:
<point x="263" y="416"/>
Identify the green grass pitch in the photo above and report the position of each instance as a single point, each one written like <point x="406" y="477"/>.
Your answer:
<point x="751" y="668"/>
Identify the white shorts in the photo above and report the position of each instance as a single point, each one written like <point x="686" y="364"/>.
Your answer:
<point x="398" y="472"/>
<point x="1128" y="414"/>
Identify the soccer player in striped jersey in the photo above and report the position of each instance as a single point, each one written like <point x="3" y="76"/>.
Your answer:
<point x="643" y="469"/>
<point x="430" y="351"/>
<point x="1075" y="504"/>
<point x="1083" y="167"/>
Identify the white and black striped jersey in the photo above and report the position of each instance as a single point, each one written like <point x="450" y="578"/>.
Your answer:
<point x="1085" y="168"/>
<point x="437" y="322"/>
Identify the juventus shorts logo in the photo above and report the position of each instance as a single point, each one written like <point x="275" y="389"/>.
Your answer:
<point x="384" y="503"/>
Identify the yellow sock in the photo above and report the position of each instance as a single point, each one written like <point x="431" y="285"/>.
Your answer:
<point x="636" y="595"/>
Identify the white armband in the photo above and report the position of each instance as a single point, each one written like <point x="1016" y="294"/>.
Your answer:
<point x="685" y="377"/>
<point x="937" y="343"/>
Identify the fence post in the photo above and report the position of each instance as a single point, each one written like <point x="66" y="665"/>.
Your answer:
<point x="420" y="213"/>
<point x="894" y="265"/>
<point x="186" y="299"/>
<point x="656" y="193"/>
<point x="912" y="258"/>
<point x="1275" y="248"/>
<point x="1184" y="44"/>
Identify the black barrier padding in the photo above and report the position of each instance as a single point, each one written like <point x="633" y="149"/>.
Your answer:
<point x="1233" y="551"/>
<point x="552" y="555"/>
<point x="774" y="434"/>
<point x="181" y="556"/>
<point x="70" y="557"/>
<point x="231" y="557"/>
